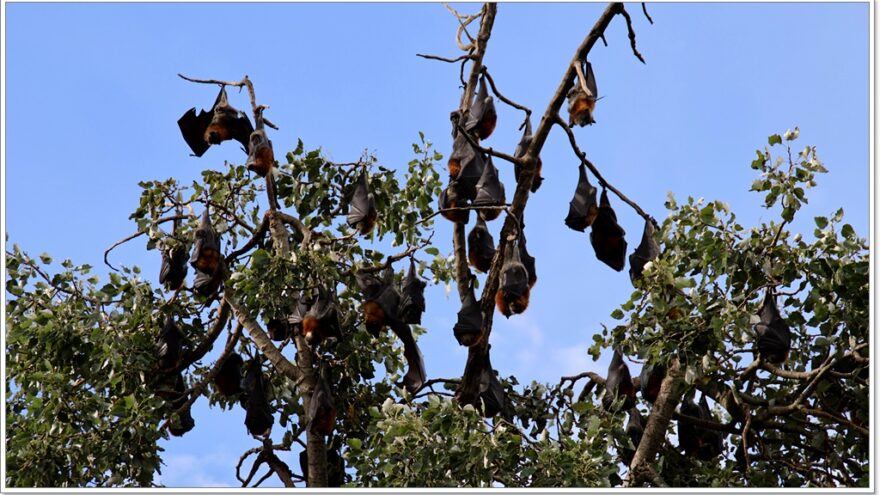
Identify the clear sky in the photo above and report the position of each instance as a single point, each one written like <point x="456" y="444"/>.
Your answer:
<point x="92" y="99"/>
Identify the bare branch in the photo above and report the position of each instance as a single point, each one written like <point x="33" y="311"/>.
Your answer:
<point x="501" y="96"/>
<point x="645" y="11"/>
<point x="136" y="235"/>
<point x="444" y="59"/>
<point x="632" y="34"/>
<point x="604" y="183"/>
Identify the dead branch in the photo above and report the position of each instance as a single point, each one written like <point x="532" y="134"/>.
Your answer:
<point x="136" y="235"/>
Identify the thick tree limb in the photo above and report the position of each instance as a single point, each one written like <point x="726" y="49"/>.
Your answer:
<point x="655" y="431"/>
<point x="470" y="379"/>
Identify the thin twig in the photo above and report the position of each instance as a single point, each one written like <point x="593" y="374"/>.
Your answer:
<point x="466" y="56"/>
<point x="632" y="34"/>
<point x="604" y="183"/>
<point x="645" y="11"/>
<point x="136" y="235"/>
<point x="500" y="96"/>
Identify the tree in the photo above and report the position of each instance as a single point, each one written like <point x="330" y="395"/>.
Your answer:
<point x="91" y="388"/>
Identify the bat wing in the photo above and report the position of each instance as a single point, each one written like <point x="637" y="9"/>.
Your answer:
<point x="412" y="297"/>
<point x="774" y="335"/>
<point x="607" y="237"/>
<point x="362" y="204"/>
<point x="470" y="175"/>
<point x="241" y="129"/>
<point x="481" y="246"/>
<point x="470" y="320"/>
<point x="648" y="250"/>
<point x="490" y="189"/>
<point x="582" y="209"/>
<point x="491" y="391"/>
<point x="193" y="127"/>
<point x="591" y="79"/>
<point x="634" y="428"/>
<point x="415" y="374"/>
<point x="479" y="107"/>
<point x="528" y="260"/>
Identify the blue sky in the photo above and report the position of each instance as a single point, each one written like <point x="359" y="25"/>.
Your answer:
<point x="92" y="98"/>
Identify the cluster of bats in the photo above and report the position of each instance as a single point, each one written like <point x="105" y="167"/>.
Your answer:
<point x="773" y="345"/>
<point x="473" y="182"/>
<point x="313" y="313"/>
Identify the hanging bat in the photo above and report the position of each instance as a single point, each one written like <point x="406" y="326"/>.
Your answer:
<point x="607" y="236"/>
<point x="207" y="285"/>
<point x="469" y="328"/>
<point x="635" y="430"/>
<point x="650" y="379"/>
<point x="481" y="247"/>
<point x="483" y="116"/>
<point x="618" y="386"/>
<point x="278" y="328"/>
<point x="381" y="300"/>
<point x="258" y="419"/>
<point x="582" y="209"/>
<point x="219" y="124"/>
<point x="512" y="296"/>
<point x="228" y="378"/>
<point x="206" y="249"/>
<point x="465" y="166"/>
<point x="261" y="157"/>
<point x="415" y="374"/>
<point x="169" y="346"/>
<point x="688" y="437"/>
<point x="492" y="394"/>
<point x="450" y="198"/>
<point x="490" y="192"/>
<point x="412" y="297"/>
<point x="362" y="212"/>
<point x="322" y="319"/>
<point x="184" y="421"/>
<point x="710" y="440"/>
<point x="520" y="152"/>
<point x="335" y="464"/>
<point x="322" y="412"/>
<point x="582" y="98"/>
<point x="298" y="314"/>
<point x="648" y="250"/>
<point x="774" y="335"/>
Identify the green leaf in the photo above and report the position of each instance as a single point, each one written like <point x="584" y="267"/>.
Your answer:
<point x="821" y="222"/>
<point x="774" y="139"/>
<point x="617" y="314"/>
